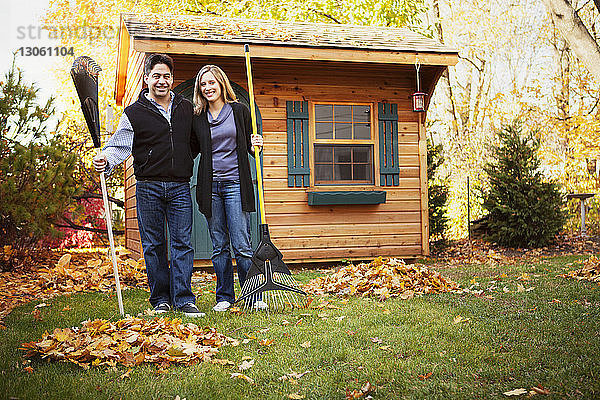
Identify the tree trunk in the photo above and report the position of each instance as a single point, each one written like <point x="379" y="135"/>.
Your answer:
<point x="446" y="73"/>
<point x="576" y="34"/>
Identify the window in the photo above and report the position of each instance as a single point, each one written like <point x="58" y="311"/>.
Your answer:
<point x="343" y="148"/>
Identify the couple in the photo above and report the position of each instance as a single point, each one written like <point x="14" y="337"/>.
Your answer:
<point x="165" y="132"/>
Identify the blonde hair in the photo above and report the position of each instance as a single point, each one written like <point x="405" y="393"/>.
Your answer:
<point x="200" y="103"/>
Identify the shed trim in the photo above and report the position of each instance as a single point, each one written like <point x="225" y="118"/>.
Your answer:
<point x="176" y="46"/>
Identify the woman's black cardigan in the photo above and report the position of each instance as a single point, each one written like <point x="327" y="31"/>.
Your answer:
<point x="243" y="127"/>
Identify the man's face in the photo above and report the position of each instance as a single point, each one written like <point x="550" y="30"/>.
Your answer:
<point x="159" y="81"/>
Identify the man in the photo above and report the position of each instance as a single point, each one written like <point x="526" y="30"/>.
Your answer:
<point x="157" y="131"/>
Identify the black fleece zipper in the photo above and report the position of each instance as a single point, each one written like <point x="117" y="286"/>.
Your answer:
<point x="153" y="109"/>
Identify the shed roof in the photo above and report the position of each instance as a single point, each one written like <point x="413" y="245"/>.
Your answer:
<point x="280" y="33"/>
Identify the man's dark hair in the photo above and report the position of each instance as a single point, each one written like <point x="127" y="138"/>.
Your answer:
<point x="154" y="59"/>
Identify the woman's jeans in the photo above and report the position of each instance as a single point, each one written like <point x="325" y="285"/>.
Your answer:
<point x="169" y="204"/>
<point x="229" y="224"/>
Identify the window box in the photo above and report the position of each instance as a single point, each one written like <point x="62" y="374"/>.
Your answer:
<point x="346" y="197"/>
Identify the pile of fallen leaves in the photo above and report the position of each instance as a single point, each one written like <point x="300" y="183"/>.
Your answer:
<point x="590" y="270"/>
<point x="70" y="274"/>
<point x="381" y="278"/>
<point x="129" y="341"/>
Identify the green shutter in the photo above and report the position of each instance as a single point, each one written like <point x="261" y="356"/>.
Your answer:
<point x="297" y="144"/>
<point x="389" y="168"/>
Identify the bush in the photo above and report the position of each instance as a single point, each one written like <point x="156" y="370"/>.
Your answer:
<point x="438" y="192"/>
<point x="36" y="169"/>
<point x="523" y="209"/>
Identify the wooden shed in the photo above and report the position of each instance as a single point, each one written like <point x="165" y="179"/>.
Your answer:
<point x="344" y="160"/>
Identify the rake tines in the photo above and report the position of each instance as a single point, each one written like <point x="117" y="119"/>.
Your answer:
<point x="271" y="291"/>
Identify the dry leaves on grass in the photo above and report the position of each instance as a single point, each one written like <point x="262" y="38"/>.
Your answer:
<point x="359" y="393"/>
<point x="129" y="341"/>
<point x="72" y="273"/>
<point x="382" y="278"/>
<point x="590" y="271"/>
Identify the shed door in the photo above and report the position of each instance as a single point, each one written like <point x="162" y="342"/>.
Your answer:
<point x="200" y="236"/>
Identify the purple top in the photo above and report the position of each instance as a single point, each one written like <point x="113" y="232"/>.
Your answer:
<point x="224" y="145"/>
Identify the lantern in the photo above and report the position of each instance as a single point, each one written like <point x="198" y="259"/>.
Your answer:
<point x="418" y="97"/>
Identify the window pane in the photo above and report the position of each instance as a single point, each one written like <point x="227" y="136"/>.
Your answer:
<point x="343" y="172"/>
<point x="361" y="154"/>
<point x="343" y="155"/>
<point x="323" y="172"/>
<point x="343" y="131"/>
<point x="323" y="154"/>
<point x="362" y="172"/>
<point x="324" y="130"/>
<point x="362" y="131"/>
<point x="343" y="113"/>
<point x="362" y="113"/>
<point x="323" y="112"/>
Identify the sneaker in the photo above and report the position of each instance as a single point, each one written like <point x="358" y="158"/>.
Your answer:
<point x="222" y="306"/>
<point x="190" y="310"/>
<point x="260" y="305"/>
<point x="162" y="308"/>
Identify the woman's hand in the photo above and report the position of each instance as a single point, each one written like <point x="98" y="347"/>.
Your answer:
<point x="257" y="140"/>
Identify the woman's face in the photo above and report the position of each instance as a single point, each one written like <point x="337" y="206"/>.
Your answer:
<point x="210" y="88"/>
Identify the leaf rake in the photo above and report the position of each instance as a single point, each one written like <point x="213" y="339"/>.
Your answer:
<point x="269" y="285"/>
<point x="85" y="73"/>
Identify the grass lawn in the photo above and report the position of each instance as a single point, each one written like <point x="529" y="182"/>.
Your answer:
<point x="548" y="336"/>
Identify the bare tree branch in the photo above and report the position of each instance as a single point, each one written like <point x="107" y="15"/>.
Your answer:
<point x="90" y="195"/>
<point x="331" y="17"/>
<point x="72" y="225"/>
<point x="478" y="68"/>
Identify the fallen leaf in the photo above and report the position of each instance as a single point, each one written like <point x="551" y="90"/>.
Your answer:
<point x="126" y="374"/>
<point x="266" y="342"/>
<point x="246" y="364"/>
<point x="295" y="396"/>
<point x="64" y="261"/>
<point x="29" y="369"/>
<point x="237" y="375"/>
<point x="292" y="375"/>
<point x="540" y="390"/>
<point x="306" y="344"/>
<point x="516" y="392"/>
<point x="221" y="361"/>
<point x="425" y="376"/>
<point x="458" y="319"/>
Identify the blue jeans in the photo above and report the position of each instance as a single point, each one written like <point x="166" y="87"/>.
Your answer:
<point x="229" y="224"/>
<point x="161" y="205"/>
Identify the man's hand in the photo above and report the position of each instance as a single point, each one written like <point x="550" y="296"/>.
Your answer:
<point x="257" y="140"/>
<point x="100" y="162"/>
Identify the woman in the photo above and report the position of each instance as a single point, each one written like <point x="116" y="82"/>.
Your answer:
<point x="224" y="188"/>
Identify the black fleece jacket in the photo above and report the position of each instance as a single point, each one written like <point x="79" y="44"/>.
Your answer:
<point x="162" y="150"/>
<point x="243" y="126"/>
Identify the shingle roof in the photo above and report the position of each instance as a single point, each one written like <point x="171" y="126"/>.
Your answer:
<point x="280" y="33"/>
